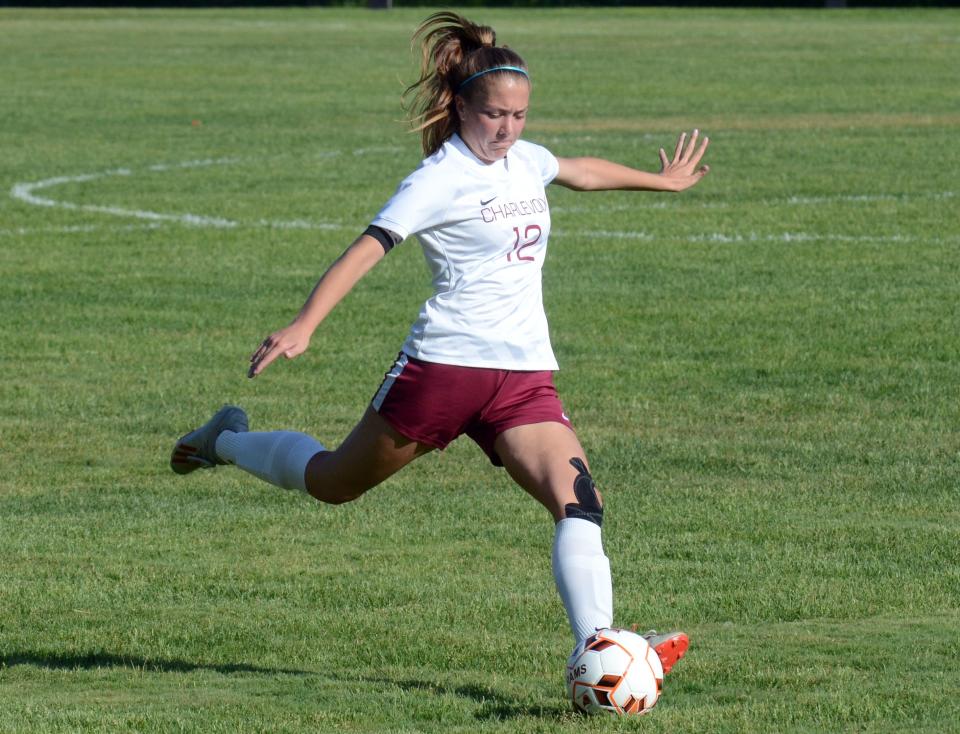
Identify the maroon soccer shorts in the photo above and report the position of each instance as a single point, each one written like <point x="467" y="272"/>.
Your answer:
<point x="434" y="403"/>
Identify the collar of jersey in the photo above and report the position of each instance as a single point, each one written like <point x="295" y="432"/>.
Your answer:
<point x="457" y="142"/>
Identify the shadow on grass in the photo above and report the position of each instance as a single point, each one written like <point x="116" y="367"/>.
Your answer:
<point x="493" y="705"/>
<point x="94" y="660"/>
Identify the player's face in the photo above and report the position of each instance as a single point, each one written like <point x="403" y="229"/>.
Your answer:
<point x="490" y="125"/>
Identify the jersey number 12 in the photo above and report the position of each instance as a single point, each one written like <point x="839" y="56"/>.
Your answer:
<point x="531" y="236"/>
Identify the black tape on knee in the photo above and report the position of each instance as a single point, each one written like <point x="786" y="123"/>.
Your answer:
<point x="587" y="506"/>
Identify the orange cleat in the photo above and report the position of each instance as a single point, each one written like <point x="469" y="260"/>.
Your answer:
<point x="670" y="647"/>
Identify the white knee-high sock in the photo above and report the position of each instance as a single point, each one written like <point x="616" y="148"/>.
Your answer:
<point x="278" y="457"/>
<point x="582" y="572"/>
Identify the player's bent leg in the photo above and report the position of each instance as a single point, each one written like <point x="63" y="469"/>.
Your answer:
<point x="292" y="460"/>
<point x="372" y="452"/>
<point x="546" y="459"/>
<point x="277" y="457"/>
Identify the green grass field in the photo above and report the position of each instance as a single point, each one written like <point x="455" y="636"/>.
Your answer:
<point x="765" y="372"/>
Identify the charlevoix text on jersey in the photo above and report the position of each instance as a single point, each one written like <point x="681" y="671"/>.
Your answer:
<point x="508" y="209"/>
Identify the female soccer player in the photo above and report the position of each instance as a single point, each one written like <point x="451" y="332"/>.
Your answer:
<point x="478" y="360"/>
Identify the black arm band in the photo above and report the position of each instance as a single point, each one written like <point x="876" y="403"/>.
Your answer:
<point x="385" y="237"/>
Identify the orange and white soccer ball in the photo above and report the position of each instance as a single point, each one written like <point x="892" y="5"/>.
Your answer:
<point x="615" y="671"/>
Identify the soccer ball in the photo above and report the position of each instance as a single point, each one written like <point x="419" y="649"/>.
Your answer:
<point x="616" y="671"/>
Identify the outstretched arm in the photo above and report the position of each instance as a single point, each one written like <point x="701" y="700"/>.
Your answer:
<point x="676" y="174"/>
<point x="293" y="340"/>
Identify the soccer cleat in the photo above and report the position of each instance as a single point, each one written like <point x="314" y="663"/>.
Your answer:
<point x="670" y="647"/>
<point x="197" y="450"/>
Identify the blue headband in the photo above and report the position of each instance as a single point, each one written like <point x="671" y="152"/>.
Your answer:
<point x="469" y="79"/>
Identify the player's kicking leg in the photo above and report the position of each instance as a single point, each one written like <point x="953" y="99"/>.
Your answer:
<point x="670" y="647"/>
<point x="197" y="449"/>
<point x="373" y="451"/>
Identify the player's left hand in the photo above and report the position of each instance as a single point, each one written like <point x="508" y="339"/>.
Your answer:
<point x="682" y="170"/>
<point x="289" y="342"/>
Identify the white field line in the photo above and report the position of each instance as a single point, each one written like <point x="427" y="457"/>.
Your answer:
<point x="202" y="163"/>
<point x="86" y="228"/>
<point x="372" y="150"/>
<point x="789" y="201"/>
<point x="298" y="224"/>
<point x="639" y="206"/>
<point x="74" y="229"/>
<point x="866" y="198"/>
<point x="375" y="149"/>
<point x="27" y="192"/>
<point x="720" y="238"/>
<point x="739" y="238"/>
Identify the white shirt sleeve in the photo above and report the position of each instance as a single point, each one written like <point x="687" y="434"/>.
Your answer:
<point x="546" y="161"/>
<point x="415" y="206"/>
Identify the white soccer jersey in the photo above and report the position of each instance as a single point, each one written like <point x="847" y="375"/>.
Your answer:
<point x="484" y="230"/>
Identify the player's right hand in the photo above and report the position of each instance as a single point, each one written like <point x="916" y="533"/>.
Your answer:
<point x="291" y="341"/>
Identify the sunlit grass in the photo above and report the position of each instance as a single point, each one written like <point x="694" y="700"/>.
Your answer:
<point x="764" y="373"/>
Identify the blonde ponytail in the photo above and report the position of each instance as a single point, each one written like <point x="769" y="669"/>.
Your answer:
<point x="453" y="49"/>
